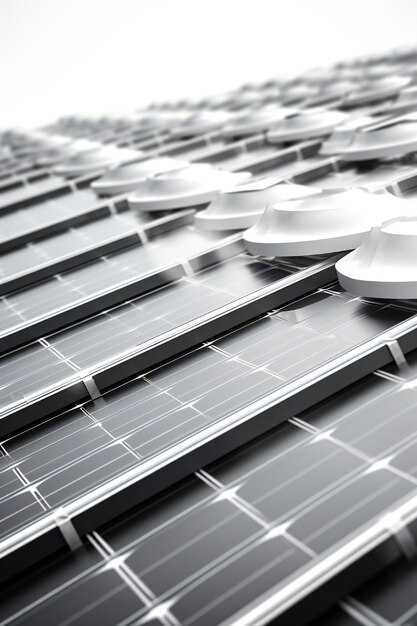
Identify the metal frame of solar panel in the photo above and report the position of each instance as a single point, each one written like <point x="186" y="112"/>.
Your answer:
<point x="190" y="434"/>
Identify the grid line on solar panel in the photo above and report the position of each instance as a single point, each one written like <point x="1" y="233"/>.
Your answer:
<point x="204" y="402"/>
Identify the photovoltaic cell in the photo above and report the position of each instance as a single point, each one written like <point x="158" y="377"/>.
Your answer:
<point x="29" y="369"/>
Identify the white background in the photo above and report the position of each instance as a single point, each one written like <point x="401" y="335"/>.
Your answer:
<point x="66" y="56"/>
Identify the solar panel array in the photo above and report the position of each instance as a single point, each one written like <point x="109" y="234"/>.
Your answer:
<point x="191" y="434"/>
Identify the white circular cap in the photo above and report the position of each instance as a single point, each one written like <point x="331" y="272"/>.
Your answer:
<point x="128" y="177"/>
<point x="256" y="120"/>
<point x="89" y="161"/>
<point x="195" y="185"/>
<point x="332" y="221"/>
<point x="201" y="122"/>
<point x="384" y="266"/>
<point x="386" y="139"/>
<point x="305" y="126"/>
<point x="374" y="90"/>
<point x="241" y="206"/>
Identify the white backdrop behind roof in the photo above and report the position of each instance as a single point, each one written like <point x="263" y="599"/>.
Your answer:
<point x="116" y="55"/>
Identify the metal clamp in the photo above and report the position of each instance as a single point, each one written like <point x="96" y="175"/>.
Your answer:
<point x="397" y="354"/>
<point x="335" y="164"/>
<point x="186" y="266"/>
<point x="143" y="237"/>
<point x="67" y="528"/>
<point x="90" y="385"/>
<point x="112" y="208"/>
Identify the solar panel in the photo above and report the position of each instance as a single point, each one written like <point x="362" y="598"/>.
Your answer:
<point x="180" y="405"/>
<point x="191" y="434"/>
<point x="134" y="332"/>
